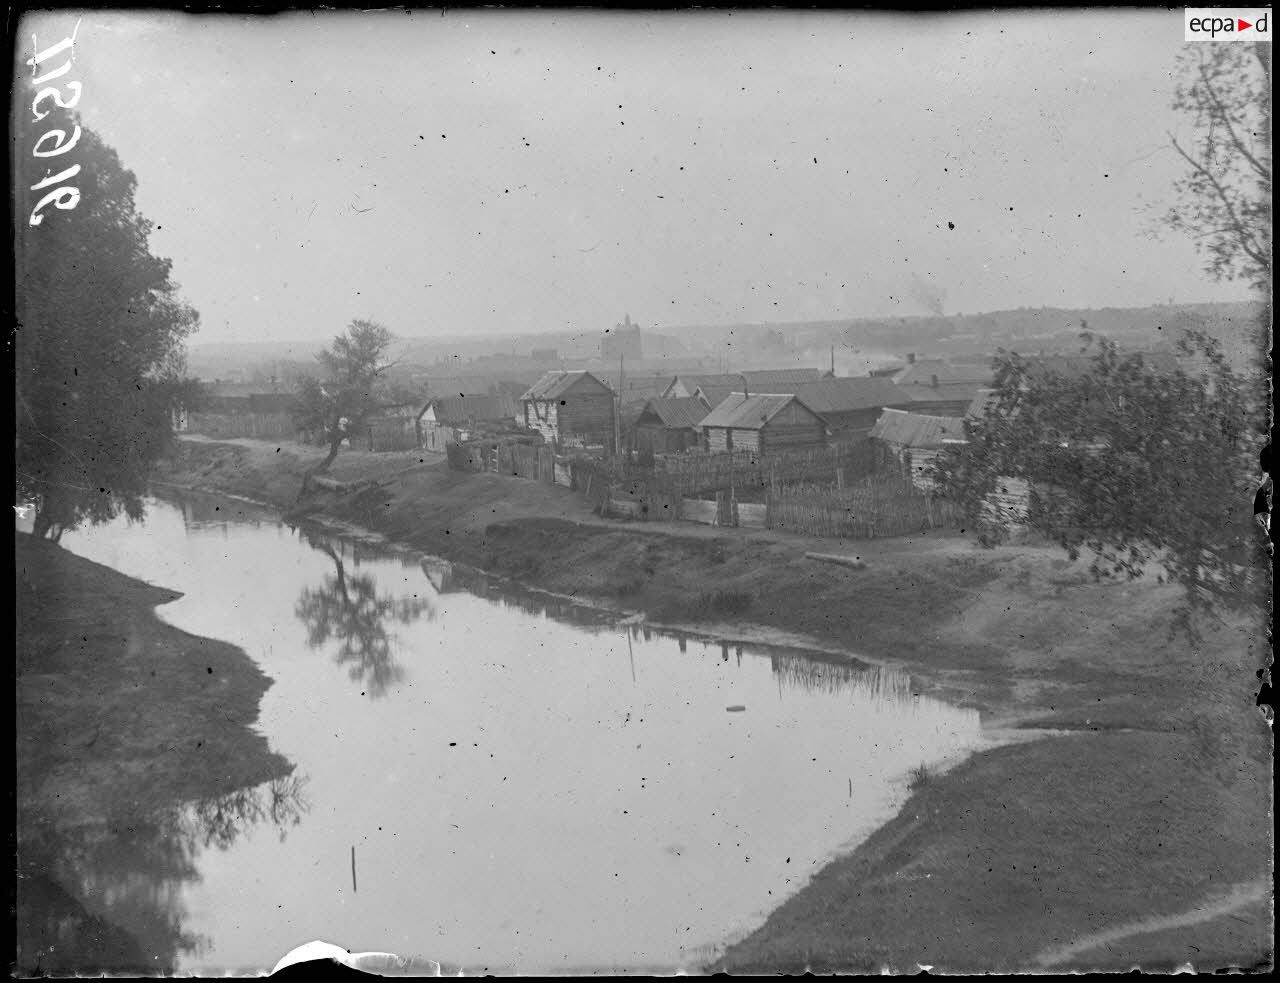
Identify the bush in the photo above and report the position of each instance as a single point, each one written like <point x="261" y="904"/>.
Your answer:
<point x="918" y="777"/>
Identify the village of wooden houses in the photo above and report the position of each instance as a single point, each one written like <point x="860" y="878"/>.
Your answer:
<point x="798" y="448"/>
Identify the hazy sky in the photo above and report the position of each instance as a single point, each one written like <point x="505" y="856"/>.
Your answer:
<point x="527" y="171"/>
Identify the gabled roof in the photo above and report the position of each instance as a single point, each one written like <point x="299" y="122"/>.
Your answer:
<point x="944" y="392"/>
<point x="982" y="401"/>
<point x="923" y="371"/>
<point x="469" y="385"/>
<point x="631" y="385"/>
<point x="677" y="413"/>
<point x="757" y="380"/>
<point x="846" y="395"/>
<point x="917" y="429"/>
<point x="750" y="412"/>
<point x="465" y="409"/>
<point x="555" y="384"/>
<point x="767" y="379"/>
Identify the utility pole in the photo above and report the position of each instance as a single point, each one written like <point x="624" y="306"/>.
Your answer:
<point x="617" y="410"/>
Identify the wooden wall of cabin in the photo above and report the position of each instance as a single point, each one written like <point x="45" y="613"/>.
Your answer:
<point x="852" y="426"/>
<point x="659" y="439"/>
<point x="792" y="428"/>
<point x="586" y="418"/>
<point x="543" y="416"/>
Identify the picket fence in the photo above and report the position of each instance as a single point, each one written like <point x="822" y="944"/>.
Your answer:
<point x="883" y="505"/>
<point x="875" y="505"/>
<point x="383" y="440"/>
<point x="531" y="461"/>
<point x="693" y="473"/>
<point x="261" y="425"/>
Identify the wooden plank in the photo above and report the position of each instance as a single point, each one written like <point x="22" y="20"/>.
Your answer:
<point x="853" y="562"/>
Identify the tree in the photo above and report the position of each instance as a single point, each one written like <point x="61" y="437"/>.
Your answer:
<point x="1224" y="200"/>
<point x="347" y="609"/>
<point x="99" y="331"/>
<point x="1144" y="468"/>
<point x="339" y="404"/>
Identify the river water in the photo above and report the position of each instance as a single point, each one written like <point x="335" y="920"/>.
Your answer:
<point x="492" y="780"/>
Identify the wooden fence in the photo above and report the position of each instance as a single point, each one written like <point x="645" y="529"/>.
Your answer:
<point x="389" y="439"/>
<point x="690" y="474"/>
<point x="884" y="505"/>
<point x="260" y="425"/>
<point x="875" y="505"/>
<point x="887" y="505"/>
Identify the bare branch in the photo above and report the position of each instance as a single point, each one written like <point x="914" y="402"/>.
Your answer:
<point x="1223" y="115"/>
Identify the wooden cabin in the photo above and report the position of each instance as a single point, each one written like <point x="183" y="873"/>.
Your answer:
<point x="917" y="439"/>
<point x="763" y="424"/>
<point x="851" y="406"/>
<point x="570" y="409"/>
<point x="669" y="426"/>
<point x="715" y="388"/>
<point x="453" y="419"/>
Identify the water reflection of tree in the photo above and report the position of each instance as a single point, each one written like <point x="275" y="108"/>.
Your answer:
<point x="219" y="820"/>
<point x="108" y="896"/>
<point x="347" y="609"/>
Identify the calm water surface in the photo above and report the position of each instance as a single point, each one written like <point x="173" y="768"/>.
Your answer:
<point x="522" y="791"/>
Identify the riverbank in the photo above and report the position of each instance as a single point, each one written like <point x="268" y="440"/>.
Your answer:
<point x="120" y="717"/>
<point x="997" y="864"/>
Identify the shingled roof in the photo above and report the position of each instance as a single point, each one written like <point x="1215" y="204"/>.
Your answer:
<point x="846" y="395"/>
<point x="555" y="384"/>
<point x="717" y="386"/>
<point x="677" y="413"/>
<point x="917" y="429"/>
<point x="741" y="412"/>
<point x="923" y="371"/>
<point x="466" y="409"/>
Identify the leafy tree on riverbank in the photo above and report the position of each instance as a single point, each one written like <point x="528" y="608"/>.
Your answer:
<point x="99" y="332"/>
<point x="339" y="404"/>
<point x="1147" y="470"/>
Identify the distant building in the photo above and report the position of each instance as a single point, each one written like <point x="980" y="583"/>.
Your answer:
<point x="545" y="355"/>
<point x="715" y="387"/>
<point x="238" y="397"/>
<point x="622" y="341"/>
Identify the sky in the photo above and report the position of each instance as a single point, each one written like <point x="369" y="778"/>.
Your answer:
<point x="521" y="171"/>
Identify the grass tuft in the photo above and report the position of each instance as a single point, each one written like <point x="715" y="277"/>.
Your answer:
<point x="918" y="777"/>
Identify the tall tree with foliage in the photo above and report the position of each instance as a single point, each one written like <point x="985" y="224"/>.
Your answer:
<point x="99" y="329"/>
<point x="340" y="402"/>
<point x="1144" y="469"/>
<point x="1223" y="200"/>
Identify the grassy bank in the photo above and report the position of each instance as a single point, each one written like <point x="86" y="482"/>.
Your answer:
<point x="994" y="864"/>
<point x="120" y="719"/>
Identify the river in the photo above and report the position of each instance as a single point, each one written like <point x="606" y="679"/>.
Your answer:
<point x="499" y="781"/>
